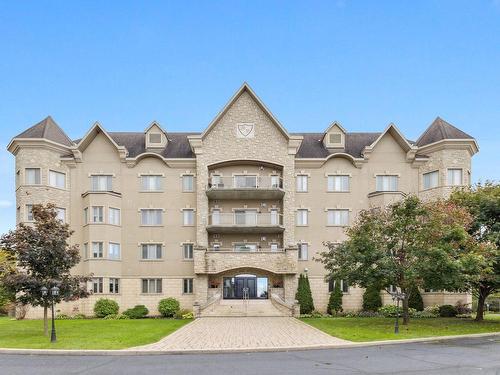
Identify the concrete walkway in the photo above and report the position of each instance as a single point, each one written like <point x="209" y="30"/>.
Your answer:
<point x="243" y="333"/>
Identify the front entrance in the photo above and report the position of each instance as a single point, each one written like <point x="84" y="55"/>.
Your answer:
<point x="245" y="287"/>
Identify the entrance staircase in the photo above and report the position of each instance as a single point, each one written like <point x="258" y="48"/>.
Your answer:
<point x="245" y="307"/>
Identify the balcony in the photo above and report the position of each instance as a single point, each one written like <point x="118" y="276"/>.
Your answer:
<point x="216" y="261"/>
<point x="381" y="199"/>
<point x="245" y="221"/>
<point x="245" y="187"/>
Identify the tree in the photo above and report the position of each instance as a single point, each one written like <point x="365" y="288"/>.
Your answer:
<point x="482" y="201"/>
<point x="304" y="295"/>
<point x="335" y="300"/>
<point x="44" y="258"/>
<point x="406" y="244"/>
<point x="371" y="298"/>
<point x="7" y="265"/>
<point x="415" y="301"/>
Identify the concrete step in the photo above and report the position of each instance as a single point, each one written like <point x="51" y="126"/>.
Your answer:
<point x="243" y="308"/>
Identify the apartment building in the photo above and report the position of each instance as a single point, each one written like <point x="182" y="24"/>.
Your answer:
<point x="233" y="213"/>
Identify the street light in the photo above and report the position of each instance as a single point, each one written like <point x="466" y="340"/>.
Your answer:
<point x="54" y="292"/>
<point x="397" y="296"/>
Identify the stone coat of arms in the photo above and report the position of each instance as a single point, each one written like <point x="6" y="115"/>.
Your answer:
<point x="245" y="130"/>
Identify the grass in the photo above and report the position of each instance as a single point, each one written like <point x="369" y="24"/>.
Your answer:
<point x="86" y="333"/>
<point x="373" y="329"/>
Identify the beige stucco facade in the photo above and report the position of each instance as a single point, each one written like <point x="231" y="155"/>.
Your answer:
<point x="258" y="214"/>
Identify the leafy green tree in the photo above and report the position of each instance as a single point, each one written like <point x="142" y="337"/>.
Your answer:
<point x="44" y="258"/>
<point x="482" y="201"/>
<point x="415" y="301"/>
<point x="371" y="298"/>
<point x="335" y="300"/>
<point x="304" y="295"/>
<point x="406" y="244"/>
<point x="7" y="265"/>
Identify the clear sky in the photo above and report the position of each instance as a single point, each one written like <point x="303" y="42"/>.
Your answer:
<point x="363" y="63"/>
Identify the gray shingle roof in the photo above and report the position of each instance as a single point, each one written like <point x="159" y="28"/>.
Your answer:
<point x="312" y="146"/>
<point x="48" y="129"/>
<point x="439" y="130"/>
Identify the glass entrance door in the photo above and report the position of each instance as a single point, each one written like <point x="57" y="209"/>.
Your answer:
<point x="247" y="286"/>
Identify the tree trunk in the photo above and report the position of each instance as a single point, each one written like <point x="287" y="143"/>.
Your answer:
<point x="480" y="304"/>
<point x="45" y="321"/>
<point x="406" y="315"/>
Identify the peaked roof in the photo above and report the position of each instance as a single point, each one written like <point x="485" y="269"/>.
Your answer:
<point x="439" y="130"/>
<point x="47" y="129"/>
<point x="313" y="147"/>
<point x="245" y="87"/>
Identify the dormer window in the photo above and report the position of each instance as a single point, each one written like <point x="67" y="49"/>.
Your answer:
<point x="154" y="138"/>
<point x="334" y="136"/>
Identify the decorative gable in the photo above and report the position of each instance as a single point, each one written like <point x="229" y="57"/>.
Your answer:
<point x="156" y="137"/>
<point x="334" y="136"/>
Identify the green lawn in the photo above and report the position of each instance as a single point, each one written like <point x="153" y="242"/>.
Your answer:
<point x="373" y="329"/>
<point x="86" y="334"/>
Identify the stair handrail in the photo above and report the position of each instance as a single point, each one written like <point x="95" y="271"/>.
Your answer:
<point x="215" y="298"/>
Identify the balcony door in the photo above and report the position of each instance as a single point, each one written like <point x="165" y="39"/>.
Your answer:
<point x="245" y="182"/>
<point x="245" y="217"/>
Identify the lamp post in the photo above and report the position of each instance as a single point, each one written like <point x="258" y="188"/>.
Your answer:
<point x="54" y="292"/>
<point x="397" y="296"/>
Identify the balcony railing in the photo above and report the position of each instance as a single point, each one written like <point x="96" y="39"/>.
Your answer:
<point x="245" y="250"/>
<point x="245" y="182"/>
<point x="246" y="219"/>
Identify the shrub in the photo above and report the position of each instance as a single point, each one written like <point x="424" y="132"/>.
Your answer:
<point x="434" y="309"/>
<point x="80" y="316"/>
<point x="415" y="301"/>
<point x="390" y="311"/>
<point x="304" y="295"/>
<point x="447" y="311"/>
<point x="110" y="317"/>
<point x="179" y="314"/>
<point x="168" y="307"/>
<point x="463" y="308"/>
<point x="335" y="301"/>
<point x="63" y="317"/>
<point x="371" y="298"/>
<point x="188" y="315"/>
<point x="104" y="307"/>
<point x="136" y="312"/>
<point x="424" y="314"/>
<point x="317" y="314"/>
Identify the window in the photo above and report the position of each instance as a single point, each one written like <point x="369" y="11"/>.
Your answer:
<point x="431" y="180"/>
<point x="454" y="177"/>
<point x="154" y="138"/>
<point x="187" y="286"/>
<point x="303" y="251"/>
<point x="151" y="183"/>
<point x="215" y="217"/>
<point x="114" y="216"/>
<point x="101" y="182"/>
<point x="274" y="247"/>
<point x="32" y="176"/>
<point x="343" y="286"/>
<point x="57" y="179"/>
<point x="61" y="214"/>
<point x="85" y="215"/>
<point x="85" y="250"/>
<point x="151" y="251"/>
<point x="29" y="212"/>
<point x="274" y="216"/>
<point x="114" y="250"/>
<point x="302" y="217"/>
<point x="187" y="250"/>
<point x="338" y="183"/>
<point x="151" y="286"/>
<point x="393" y="289"/>
<point x="97" y="249"/>
<point x="275" y="181"/>
<point x="114" y="285"/>
<point x="244" y="181"/>
<point x="151" y="216"/>
<point x="97" y="214"/>
<point x="387" y="183"/>
<point x="188" y="183"/>
<point x="97" y="285"/>
<point x="334" y="138"/>
<point x="188" y="217"/>
<point x="301" y="183"/>
<point x="338" y="217"/>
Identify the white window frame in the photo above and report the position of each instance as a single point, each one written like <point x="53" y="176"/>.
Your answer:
<point x="37" y="177"/>
<point x="100" y="215"/>
<point x="300" y="215"/>
<point x="61" y="214"/>
<point x="384" y="182"/>
<point x="151" y="283"/>
<point x="338" y="184"/>
<point x="97" y="184"/>
<point x="55" y="179"/>
<point x="188" y="217"/>
<point x="343" y="286"/>
<point x="185" y="187"/>
<point x="151" y="183"/>
<point x="337" y="217"/>
<point x="98" y="285"/>
<point x="151" y="250"/>
<point x="114" y="285"/>
<point x="451" y="178"/>
<point x="100" y="250"/>
<point x="29" y="213"/>
<point x="149" y="222"/>
<point x="430" y="180"/>
<point x="301" y="252"/>
<point x="114" y="251"/>
<point x="187" y="286"/>
<point x="114" y="216"/>
<point x="188" y="249"/>
<point x="301" y="183"/>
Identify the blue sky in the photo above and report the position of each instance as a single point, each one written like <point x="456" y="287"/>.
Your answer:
<point x="363" y="63"/>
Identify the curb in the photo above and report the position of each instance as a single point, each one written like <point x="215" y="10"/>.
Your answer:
<point x="128" y="352"/>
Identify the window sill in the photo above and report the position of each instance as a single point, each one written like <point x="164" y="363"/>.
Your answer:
<point x="334" y="191"/>
<point x="151" y="226"/>
<point x="303" y="260"/>
<point x="188" y="260"/>
<point x="151" y="260"/>
<point x="151" y="191"/>
<point x="151" y="294"/>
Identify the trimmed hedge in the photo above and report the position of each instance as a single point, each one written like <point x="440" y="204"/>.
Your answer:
<point x="137" y="312"/>
<point x="415" y="301"/>
<point x="104" y="307"/>
<point x="168" y="307"/>
<point x="447" y="311"/>
<point x="304" y="295"/>
<point x="335" y="301"/>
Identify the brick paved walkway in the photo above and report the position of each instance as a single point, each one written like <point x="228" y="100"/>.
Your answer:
<point x="243" y="333"/>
